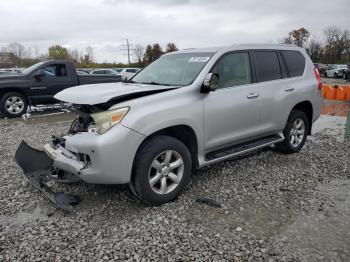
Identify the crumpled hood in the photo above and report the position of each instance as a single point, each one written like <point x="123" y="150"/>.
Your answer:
<point x="102" y="93"/>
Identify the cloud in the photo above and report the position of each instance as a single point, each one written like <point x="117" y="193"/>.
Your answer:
<point x="105" y="24"/>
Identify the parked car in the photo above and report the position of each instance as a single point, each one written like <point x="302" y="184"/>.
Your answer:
<point x="39" y="83"/>
<point x="79" y="72"/>
<point x="335" y="71"/>
<point x="104" y="72"/>
<point x="128" y="73"/>
<point x="186" y="110"/>
<point x="346" y="72"/>
<point x="7" y="71"/>
<point x="321" y="68"/>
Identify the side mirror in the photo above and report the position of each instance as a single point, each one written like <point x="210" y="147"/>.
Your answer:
<point x="210" y="83"/>
<point x="39" y="74"/>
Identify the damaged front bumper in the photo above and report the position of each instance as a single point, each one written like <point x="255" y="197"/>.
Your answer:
<point x="39" y="168"/>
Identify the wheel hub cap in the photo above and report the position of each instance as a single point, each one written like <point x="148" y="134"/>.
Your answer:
<point x="14" y="105"/>
<point x="297" y="132"/>
<point x="166" y="171"/>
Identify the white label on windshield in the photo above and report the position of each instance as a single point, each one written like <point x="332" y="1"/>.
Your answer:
<point x="199" y="59"/>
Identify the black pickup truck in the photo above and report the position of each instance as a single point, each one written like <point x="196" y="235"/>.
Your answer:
<point x="39" y="83"/>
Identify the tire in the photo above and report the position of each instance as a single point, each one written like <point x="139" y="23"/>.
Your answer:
<point x="154" y="181"/>
<point x="344" y="76"/>
<point x="325" y="74"/>
<point x="294" y="141"/>
<point x="13" y="104"/>
<point x="335" y="75"/>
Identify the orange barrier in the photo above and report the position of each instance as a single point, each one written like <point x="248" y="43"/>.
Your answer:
<point x="340" y="93"/>
<point x="336" y="92"/>
<point x="329" y="92"/>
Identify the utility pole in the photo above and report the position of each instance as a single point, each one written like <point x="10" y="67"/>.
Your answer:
<point x="127" y="43"/>
<point x="128" y="49"/>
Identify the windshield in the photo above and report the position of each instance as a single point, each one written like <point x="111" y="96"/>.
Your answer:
<point x="32" y="68"/>
<point x="174" y="70"/>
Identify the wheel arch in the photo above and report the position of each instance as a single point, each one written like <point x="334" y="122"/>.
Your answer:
<point x="5" y="90"/>
<point x="182" y="132"/>
<point x="306" y="107"/>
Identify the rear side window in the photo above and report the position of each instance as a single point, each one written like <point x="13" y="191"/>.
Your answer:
<point x="267" y="66"/>
<point x="295" y="62"/>
<point x="131" y="70"/>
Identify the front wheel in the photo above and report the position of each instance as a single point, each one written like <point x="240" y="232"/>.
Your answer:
<point x="13" y="104"/>
<point x="335" y="75"/>
<point x="295" y="132"/>
<point x="162" y="170"/>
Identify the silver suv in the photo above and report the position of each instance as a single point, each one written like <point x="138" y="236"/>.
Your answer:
<point x="184" y="111"/>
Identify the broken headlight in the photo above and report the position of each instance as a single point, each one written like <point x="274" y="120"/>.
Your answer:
<point x="107" y="119"/>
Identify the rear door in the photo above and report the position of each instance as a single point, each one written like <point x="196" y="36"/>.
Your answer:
<point x="231" y="113"/>
<point x="279" y="76"/>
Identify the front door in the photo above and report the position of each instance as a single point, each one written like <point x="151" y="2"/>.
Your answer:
<point x="55" y="79"/>
<point x="231" y="113"/>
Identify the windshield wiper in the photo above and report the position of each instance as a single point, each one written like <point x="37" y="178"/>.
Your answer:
<point x="155" y="83"/>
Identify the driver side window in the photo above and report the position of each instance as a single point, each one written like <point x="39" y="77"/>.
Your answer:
<point x="57" y="70"/>
<point x="233" y="70"/>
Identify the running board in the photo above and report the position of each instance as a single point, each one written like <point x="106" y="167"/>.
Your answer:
<point x="239" y="149"/>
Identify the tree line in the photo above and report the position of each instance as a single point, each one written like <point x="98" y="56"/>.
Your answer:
<point x="17" y="55"/>
<point x="333" y="49"/>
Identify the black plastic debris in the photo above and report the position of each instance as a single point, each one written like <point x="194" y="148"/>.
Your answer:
<point x="209" y="201"/>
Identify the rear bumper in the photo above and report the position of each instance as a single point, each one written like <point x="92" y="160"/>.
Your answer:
<point x="98" y="159"/>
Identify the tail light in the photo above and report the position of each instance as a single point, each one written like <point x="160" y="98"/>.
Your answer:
<point x="318" y="78"/>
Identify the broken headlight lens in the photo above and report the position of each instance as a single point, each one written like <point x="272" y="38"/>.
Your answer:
<point x="107" y="119"/>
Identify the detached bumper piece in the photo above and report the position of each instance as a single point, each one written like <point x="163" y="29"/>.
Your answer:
<point x="37" y="166"/>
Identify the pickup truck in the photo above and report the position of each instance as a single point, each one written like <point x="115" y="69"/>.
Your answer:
<point x="39" y="83"/>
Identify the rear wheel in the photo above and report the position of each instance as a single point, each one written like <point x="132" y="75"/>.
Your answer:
<point x="13" y="104"/>
<point x="295" y="132"/>
<point x="162" y="170"/>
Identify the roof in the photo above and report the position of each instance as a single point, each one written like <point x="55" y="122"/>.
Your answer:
<point x="238" y="46"/>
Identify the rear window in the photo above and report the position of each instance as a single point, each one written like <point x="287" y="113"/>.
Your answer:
<point x="295" y="62"/>
<point x="267" y="66"/>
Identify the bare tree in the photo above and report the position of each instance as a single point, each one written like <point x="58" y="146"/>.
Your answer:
<point x="337" y="44"/>
<point x="139" y="51"/>
<point x="315" y="50"/>
<point x="74" y="55"/>
<point x="17" y="51"/>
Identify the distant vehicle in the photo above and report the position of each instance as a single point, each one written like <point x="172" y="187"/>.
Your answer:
<point x="39" y="83"/>
<point x="335" y="71"/>
<point x="128" y="73"/>
<point x="104" y="72"/>
<point x="10" y="71"/>
<point x="79" y="72"/>
<point x="346" y="72"/>
<point x="118" y="69"/>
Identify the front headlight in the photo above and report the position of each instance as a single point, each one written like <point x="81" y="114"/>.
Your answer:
<point x="107" y="119"/>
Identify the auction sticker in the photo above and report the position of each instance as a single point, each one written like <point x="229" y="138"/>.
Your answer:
<point x="199" y="59"/>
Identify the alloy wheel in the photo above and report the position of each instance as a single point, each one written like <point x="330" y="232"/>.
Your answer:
<point x="297" y="132"/>
<point x="166" y="172"/>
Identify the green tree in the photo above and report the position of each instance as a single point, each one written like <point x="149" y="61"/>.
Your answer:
<point x="58" y="52"/>
<point x="157" y="51"/>
<point x="171" y="47"/>
<point x="297" y="37"/>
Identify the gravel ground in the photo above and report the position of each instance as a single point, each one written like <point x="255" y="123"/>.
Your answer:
<point x="275" y="208"/>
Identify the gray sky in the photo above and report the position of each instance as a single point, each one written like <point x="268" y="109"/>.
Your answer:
<point x="105" y="24"/>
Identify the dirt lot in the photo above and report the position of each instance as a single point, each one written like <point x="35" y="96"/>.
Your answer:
<point x="275" y="207"/>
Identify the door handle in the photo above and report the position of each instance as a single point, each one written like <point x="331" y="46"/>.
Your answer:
<point x="289" y="89"/>
<point x="252" y="95"/>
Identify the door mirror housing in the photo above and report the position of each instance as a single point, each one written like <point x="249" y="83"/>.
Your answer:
<point x="39" y="74"/>
<point x="210" y="83"/>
